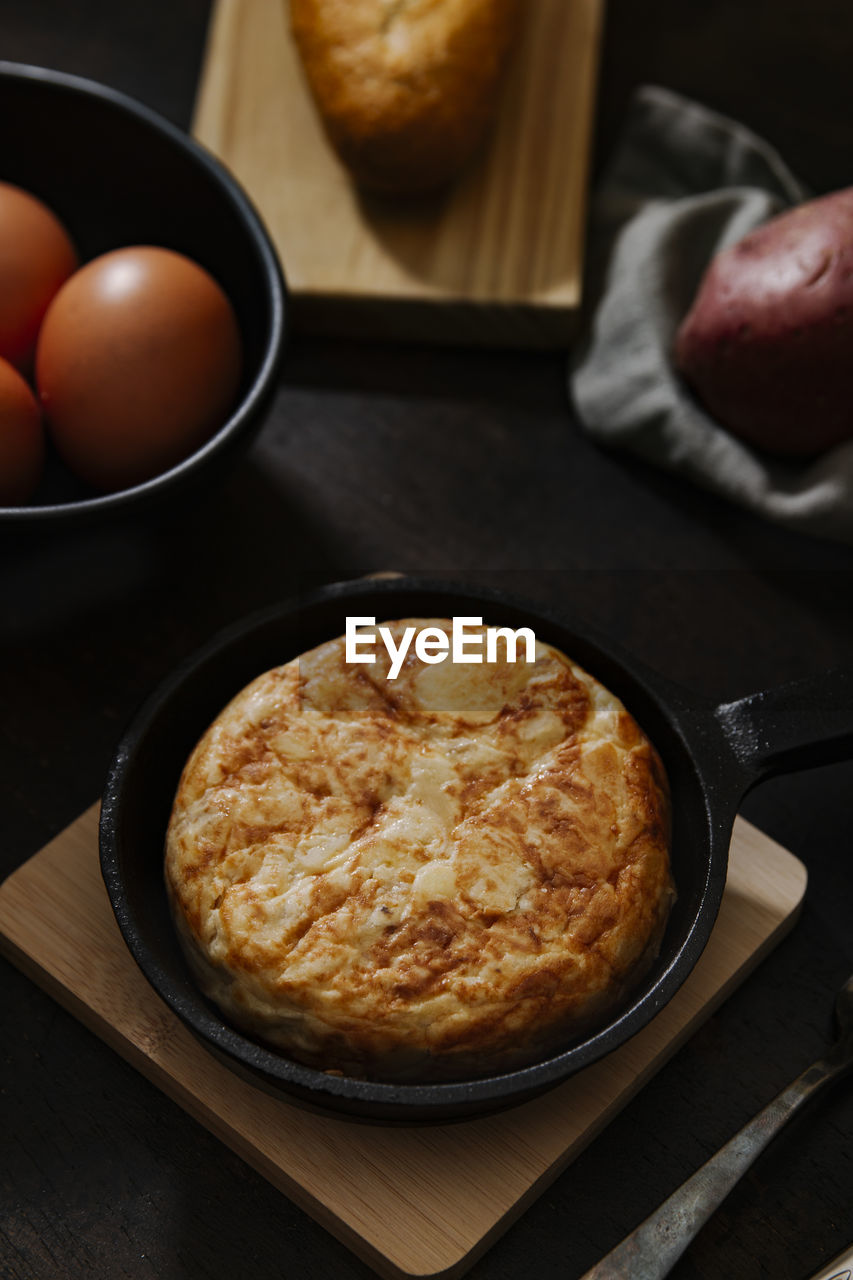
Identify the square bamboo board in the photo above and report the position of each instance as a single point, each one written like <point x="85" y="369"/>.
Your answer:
<point x="424" y="1201"/>
<point x="496" y="258"/>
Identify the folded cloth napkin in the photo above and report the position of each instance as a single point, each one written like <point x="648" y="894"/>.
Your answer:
<point x="686" y="182"/>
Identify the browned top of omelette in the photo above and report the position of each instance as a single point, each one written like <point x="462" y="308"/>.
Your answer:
<point x="431" y="877"/>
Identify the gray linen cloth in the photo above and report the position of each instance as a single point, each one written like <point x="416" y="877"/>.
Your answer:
<point x="684" y="183"/>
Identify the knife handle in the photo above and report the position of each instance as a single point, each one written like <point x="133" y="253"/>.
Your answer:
<point x="841" y="1268"/>
<point x="650" y="1251"/>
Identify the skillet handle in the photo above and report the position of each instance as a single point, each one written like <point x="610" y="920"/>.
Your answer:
<point x="795" y="726"/>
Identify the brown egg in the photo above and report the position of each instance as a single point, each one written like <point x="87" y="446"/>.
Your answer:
<point x="138" y="363"/>
<point x="36" y="257"/>
<point x="21" y="438"/>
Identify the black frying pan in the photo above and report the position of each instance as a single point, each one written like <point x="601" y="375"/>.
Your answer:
<point x="712" y="755"/>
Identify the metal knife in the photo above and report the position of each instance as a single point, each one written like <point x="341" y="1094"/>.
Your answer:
<point x="841" y="1268"/>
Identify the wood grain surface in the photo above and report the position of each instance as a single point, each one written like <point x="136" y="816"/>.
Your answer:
<point x="497" y="257"/>
<point x="422" y="1201"/>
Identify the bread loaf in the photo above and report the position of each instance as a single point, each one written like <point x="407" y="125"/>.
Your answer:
<point x="406" y="88"/>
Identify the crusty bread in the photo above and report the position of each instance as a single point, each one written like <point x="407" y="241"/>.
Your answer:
<point x="434" y="877"/>
<point x="406" y="88"/>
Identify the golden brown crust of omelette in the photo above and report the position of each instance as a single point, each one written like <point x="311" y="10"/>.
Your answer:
<point x="434" y="877"/>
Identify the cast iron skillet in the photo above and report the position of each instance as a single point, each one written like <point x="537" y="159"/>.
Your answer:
<point x="712" y="755"/>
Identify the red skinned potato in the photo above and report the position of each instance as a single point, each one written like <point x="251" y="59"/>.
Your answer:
<point x="768" y="342"/>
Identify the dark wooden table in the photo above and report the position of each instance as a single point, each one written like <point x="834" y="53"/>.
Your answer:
<point x="435" y="461"/>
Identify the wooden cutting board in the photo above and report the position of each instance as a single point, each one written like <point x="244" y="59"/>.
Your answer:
<point x="497" y="258"/>
<point x="424" y="1201"/>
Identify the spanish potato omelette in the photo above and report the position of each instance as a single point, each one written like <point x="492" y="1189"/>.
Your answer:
<point x="432" y="878"/>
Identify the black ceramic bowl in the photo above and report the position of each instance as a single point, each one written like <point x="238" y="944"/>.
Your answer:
<point x="117" y="174"/>
<point x="711" y="754"/>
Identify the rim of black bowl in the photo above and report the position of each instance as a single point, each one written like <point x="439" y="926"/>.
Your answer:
<point x="264" y="381"/>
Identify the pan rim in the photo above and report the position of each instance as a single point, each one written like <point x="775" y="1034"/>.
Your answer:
<point x="439" y="1100"/>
